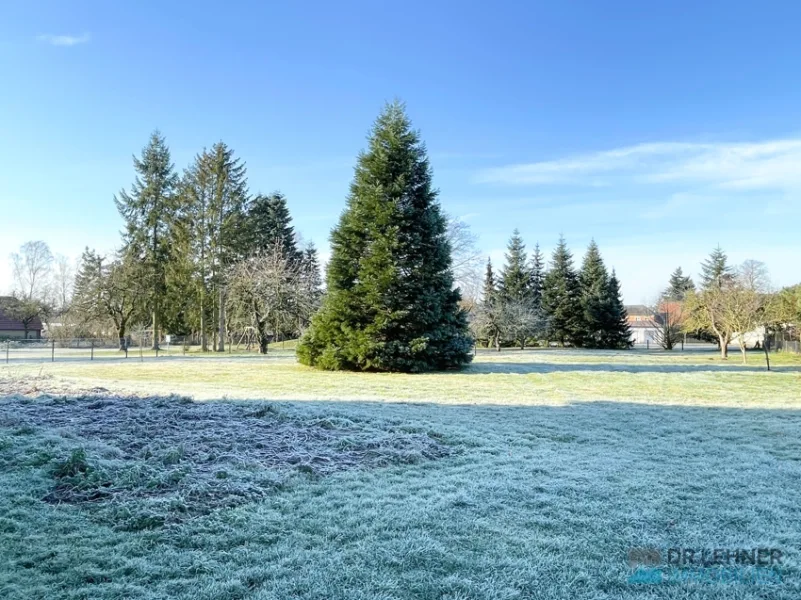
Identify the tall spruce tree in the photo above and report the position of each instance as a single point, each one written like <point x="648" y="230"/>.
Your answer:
<point x="594" y="280"/>
<point x="515" y="280"/>
<point x="311" y="280"/>
<point x="214" y="204"/>
<point x="488" y="319"/>
<point x="270" y="223"/>
<point x="679" y="285"/>
<point x="390" y="303"/>
<point x="490" y="289"/>
<point x="617" y="332"/>
<point x="561" y="299"/>
<point x="149" y="212"/>
<point x="537" y="276"/>
<point x="715" y="270"/>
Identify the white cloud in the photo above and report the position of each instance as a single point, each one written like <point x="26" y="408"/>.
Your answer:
<point x="64" y="40"/>
<point x="771" y="164"/>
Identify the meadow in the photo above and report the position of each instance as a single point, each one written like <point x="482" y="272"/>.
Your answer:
<point x="528" y="475"/>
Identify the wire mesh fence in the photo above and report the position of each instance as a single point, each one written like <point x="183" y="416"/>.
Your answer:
<point x="137" y="346"/>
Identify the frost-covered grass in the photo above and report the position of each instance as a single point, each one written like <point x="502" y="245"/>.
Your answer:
<point x="512" y="377"/>
<point x="530" y="475"/>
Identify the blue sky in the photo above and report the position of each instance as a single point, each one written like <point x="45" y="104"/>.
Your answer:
<point x="660" y="130"/>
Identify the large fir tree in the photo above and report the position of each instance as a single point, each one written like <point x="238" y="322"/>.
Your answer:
<point x="515" y="280"/>
<point x="270" y="224"/>
<point x="594" y="280"/>
<point x="215" y="199"/>
<point x="617" y="332"/>
<point x="149" y="212"/>
<point x="390" y="303"/>
<point x="561" y="299"/>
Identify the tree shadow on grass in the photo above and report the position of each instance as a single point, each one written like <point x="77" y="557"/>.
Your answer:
<point x="541" y="368"/>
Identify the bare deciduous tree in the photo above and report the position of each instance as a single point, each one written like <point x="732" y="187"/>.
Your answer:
<point x="63" y="282"/>
<point x="466" y="260"/>
<point x="267" y="292"/>
<point x="733" y="308"/>
<point x="668" y="322"/>
<point x="31" y="268"/>
<point x="520" y="321"/>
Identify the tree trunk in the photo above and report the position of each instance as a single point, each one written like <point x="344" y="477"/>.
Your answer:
<point x="498" y="343"/>
<point x="221" y="341"/>
<point x="121" y="335"/>
<point x="204" y="342"/>
<point x="743" y="349"/>
<point x="264" y="339"/>
<point x="723" y="344"/>
<point x="155" y="325"/>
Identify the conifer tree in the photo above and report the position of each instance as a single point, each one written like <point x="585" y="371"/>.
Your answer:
<point x="312" y="282"/>
<point x="594" y="280"/>
<point x="488" y="320"/>
<point x="490" y="289"/>
<point x="561" y="299"/>
<point x="149" y="212"/>
<point x="214" y="204"/>
<point x="715" y="270"/>
<point x="515" y="280"/>
<point x="270" y="223"/>
<point x="617" y="332"/>
<point x="537" y="276"/>
<point x="390" y="303"/>
<point x="679" y="285"/>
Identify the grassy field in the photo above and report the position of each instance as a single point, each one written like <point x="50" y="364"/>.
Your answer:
<point x="528" y="475"/>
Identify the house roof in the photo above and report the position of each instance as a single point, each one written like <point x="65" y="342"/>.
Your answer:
<point x="9" y="324"/>
<point x="638" y="310"/>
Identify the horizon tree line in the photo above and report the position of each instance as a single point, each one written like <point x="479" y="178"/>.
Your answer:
<point x="529" y="302"/>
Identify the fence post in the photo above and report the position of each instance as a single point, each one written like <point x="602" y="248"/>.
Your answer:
<point x="53" y="350"/>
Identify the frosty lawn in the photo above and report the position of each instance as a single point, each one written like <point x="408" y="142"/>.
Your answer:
<point x="453" y="496"/>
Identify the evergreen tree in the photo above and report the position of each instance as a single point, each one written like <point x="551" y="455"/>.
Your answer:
<point x="490" y="289"/>
<point x="515" y="280"/>
<point x="108" y="291"/>
<point x="487" y="321"/>
<point x="561" y="298"/>
<point x="149" y="211"/>
<point x="537" y="276"/>
<point x="594" y="280"/>
<point x="390" y="303"/>
<point x="270" y="223"/>
<point x="715" y="270"/>
<point x="312" y="282"/>
<point x="617" y="332"/>
<point x="215" y="199"/>
<point x="679" y="285"/>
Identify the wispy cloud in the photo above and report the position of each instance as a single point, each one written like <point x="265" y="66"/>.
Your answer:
<point x="771" y="164"/>
<point x="64" y="40"/>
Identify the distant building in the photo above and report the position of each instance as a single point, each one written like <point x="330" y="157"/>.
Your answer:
<point x="643" y="324"/>
<point x="13" y="328"/>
